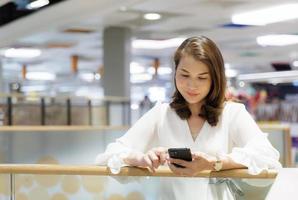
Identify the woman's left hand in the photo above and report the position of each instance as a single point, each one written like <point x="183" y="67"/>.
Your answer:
<point x="200" y="161"/>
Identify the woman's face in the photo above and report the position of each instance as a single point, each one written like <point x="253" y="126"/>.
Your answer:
<point x="193" y="79"/>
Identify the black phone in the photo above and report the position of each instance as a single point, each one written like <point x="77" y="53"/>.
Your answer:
<point x="180" y="153"/>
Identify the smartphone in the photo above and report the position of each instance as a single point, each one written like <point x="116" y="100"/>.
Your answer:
<point x="180" y="153"/>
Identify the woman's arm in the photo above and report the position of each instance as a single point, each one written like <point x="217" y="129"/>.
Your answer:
<point x="152" y="159"/>
<point x="251" y="146"/>
<point x="202" y="161"/>
<point x="136" y="141"/>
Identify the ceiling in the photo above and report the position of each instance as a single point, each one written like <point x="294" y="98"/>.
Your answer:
<point x="75" y="27"/>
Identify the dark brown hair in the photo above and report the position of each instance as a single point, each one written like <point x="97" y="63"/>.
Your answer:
<point x="205" y="50"/>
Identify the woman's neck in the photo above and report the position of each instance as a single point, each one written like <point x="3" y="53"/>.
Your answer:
<point x="195" y="108"/>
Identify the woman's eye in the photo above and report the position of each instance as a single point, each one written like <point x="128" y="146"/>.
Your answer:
<point x="184" y="75"/>
<point x="202" y="78"/>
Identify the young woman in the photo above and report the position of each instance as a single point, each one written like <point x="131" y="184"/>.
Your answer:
<point x="220" y="134"/>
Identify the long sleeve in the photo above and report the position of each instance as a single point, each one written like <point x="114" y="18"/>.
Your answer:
<point x="251" y="146"/>
<point x="140" y="137"/>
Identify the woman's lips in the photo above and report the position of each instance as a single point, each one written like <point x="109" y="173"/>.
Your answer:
<point x="192" y="94"/>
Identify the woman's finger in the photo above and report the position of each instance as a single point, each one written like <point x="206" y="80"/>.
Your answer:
<point x="180" y="162"/>
<point x="162" y="157"/>
<point x="178" y="170"/>
<point x="154" y="158"/>
<point x="149" y="163"/>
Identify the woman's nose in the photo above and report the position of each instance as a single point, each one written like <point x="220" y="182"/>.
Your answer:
<point x="192" y="84"/>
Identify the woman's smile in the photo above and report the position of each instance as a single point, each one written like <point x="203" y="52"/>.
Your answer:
<point x="192" y="94"/>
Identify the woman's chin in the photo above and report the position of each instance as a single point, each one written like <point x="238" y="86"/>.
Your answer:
<point x="192" y="100"/>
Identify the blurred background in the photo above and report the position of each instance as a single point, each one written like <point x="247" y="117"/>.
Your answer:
<point x="56" y="48"/>
<point x="63" y="62"/>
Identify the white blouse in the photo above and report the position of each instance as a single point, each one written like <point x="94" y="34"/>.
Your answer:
<point x="236" y="135"/>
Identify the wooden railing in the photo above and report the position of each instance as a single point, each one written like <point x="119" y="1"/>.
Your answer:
<point x="125" y="171"/>
<point x="264" y="127"/>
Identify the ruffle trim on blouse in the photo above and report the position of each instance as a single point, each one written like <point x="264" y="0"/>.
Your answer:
<point x="257" y="155"/>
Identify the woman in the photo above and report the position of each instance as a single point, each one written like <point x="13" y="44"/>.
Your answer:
<point x="220" y="134"/>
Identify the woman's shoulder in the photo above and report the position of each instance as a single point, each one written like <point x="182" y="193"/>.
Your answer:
<point x="164" y="109"/>
<point x="231" y="106"/>
<point x="160" y="106"/>
<point x="231" y="111"/>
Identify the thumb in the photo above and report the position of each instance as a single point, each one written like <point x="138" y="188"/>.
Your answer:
<point x="196" y="155"/>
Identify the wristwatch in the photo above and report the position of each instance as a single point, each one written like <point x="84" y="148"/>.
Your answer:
<point x="217" y="164"/>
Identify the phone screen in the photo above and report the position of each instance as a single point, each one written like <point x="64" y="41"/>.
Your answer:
<point x="180" y="153"/>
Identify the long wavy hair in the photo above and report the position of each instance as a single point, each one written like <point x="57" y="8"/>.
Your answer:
<point x="205" y="50"/>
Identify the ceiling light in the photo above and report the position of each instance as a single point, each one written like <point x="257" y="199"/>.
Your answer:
<point x="134" y="106"/>
<point x="40" y="76"/>
<point x="241" y="84"/>
<point x="157" y="44"/>
<point x="160" y="70"/>
<point x="136" y="68"/>
<point x="89" y="77"/>
<point x="97" y="76"/>
<point x="164" y="70"/>
<point x="22" y="53"/>
<point x="267" y="15"/>
<point x="140" y="78"/>
<point x="295" y="63"/>
<point x="37" y="4"/>
<point x="277" y="40"/>
<point x="151" y="70"/>
<point x="34" y="88"/>
<point x="152" y="16"/>
<point x="230" y="73"/>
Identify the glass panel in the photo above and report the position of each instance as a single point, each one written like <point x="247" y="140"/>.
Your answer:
<point x="277" y="139"/>
<point x="80" y="115"/>
<point x="5" y="187"/>
<point x="71" y="147"/>
<point x="99" y="112"/>
<point x="26" y="111"/>
<point x="76" y="187"/>
<point x="280" y="138"/>
<point x="66" y="147"/>
<point x="56" y="113"/>
<point x="99" y="115"/>
<point x="256" y="189"/>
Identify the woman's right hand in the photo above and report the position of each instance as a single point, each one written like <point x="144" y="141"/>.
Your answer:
<point x="152" y="159"/>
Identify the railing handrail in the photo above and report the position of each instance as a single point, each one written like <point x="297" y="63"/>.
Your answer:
<point x="104" y="98"/>
<point x="285" y="127"/>
<point x="29" y="128"/>
<point x="163" y="171"/>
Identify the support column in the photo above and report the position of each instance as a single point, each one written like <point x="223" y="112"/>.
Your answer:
<point x="116" y="77"/>
<point x="2" y="84"/>
<point x="172" y="88"/>
<point x="117" y="56"/>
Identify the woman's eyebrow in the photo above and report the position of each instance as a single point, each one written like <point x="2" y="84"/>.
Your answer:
<point x="203" y="73"/>
<point x="184" y="70"/>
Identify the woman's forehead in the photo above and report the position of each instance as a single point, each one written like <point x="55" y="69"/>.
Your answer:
<point x="190" y="64"/>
